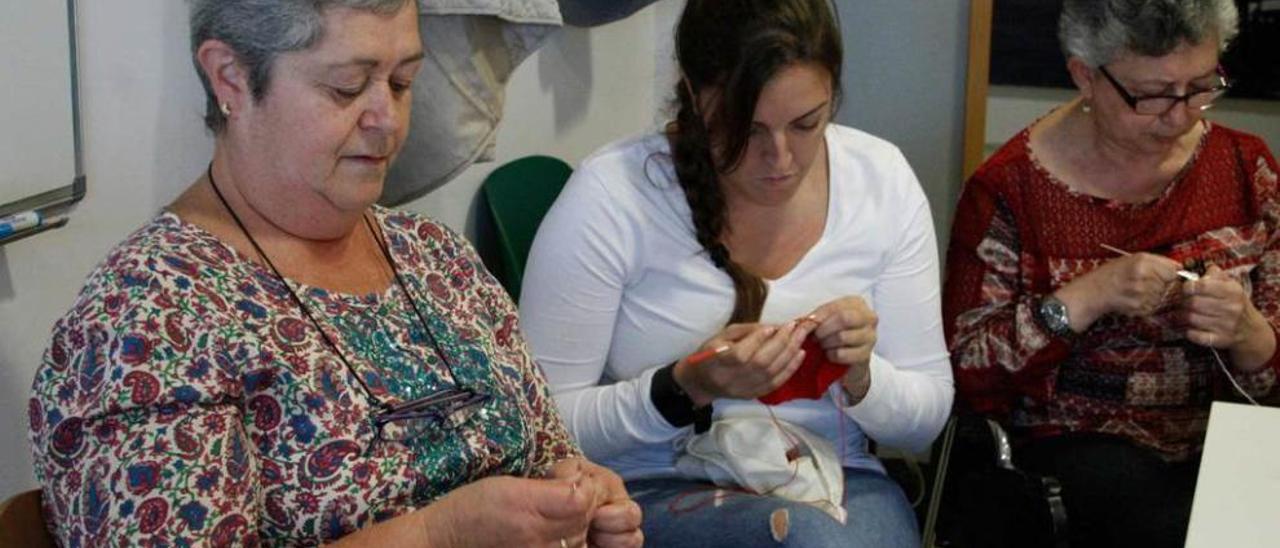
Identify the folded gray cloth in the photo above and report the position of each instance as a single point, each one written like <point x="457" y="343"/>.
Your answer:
<point x="589" y="13"/>
<point x="472" y="48"/>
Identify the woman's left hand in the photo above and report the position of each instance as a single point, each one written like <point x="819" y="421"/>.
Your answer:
<point x="1216" y="307"/>
<point x="846" y="330"/>
<point x="1220" y="315"/>
<point x="616" y="521"/>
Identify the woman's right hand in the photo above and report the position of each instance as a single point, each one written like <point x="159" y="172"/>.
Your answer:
<point x="760" y="359"/>
<point x="504" y="511"/>
<point x="1133" y="285"/>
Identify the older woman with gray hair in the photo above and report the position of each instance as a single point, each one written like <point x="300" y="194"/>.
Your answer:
<point x="1115" y="267"/>
<point x="275" y="360"/>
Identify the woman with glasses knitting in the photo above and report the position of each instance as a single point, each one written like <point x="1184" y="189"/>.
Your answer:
<point x="729" y="309"/>
<point x="275" y="360"/>
<point x="1115" y="267"/>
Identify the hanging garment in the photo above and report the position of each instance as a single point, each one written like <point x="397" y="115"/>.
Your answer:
<point x="472" y="47"/>
<point x="590" y="13"/>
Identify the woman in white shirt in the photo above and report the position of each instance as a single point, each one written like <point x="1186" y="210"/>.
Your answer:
<point x="680" y="276"/>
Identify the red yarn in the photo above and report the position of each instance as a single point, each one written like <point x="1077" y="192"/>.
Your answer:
<point x="811" y="380"/>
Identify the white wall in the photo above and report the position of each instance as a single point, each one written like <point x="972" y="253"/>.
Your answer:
<point x="144" y="143"/>
<point x="904" y="75"/>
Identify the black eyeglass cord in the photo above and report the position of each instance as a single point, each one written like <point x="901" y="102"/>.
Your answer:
<point x="386" y="407"/>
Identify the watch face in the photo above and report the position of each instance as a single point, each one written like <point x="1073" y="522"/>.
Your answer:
<point x="1054" y="314"/>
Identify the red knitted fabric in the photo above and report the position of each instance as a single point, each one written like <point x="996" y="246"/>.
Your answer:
<point x="1019" y="234"/>
<point x="811" y="380"/>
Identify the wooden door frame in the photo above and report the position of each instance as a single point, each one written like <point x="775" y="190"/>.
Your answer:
<point x="976" y="84"/>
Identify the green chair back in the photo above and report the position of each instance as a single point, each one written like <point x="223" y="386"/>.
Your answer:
<point x="518" y="195"/>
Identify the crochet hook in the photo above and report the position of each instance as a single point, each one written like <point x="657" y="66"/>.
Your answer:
<point x="1187" y="274"/>
<point x="705" y="355"/>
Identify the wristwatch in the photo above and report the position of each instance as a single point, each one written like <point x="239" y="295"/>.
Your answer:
<point x="1053" y="316"/>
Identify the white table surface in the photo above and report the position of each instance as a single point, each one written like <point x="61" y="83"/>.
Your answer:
<point x="1237" y="499"/>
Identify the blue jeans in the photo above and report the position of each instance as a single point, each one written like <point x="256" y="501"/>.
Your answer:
<point x="681" y="512"/>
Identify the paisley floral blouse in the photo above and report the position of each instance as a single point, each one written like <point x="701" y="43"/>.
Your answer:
<point x="187" y="399"/>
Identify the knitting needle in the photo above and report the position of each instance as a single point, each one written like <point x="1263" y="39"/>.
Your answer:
<point x="1187" y="274"/>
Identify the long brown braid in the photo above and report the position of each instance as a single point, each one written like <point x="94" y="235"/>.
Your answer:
<point x="732" y="48"/>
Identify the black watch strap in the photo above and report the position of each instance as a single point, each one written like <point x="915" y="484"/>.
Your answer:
<point x="674" y="404"/>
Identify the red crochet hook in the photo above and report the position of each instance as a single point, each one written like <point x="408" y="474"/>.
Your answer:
<point x="705" y="355"/>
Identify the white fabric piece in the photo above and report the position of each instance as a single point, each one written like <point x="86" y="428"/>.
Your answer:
<point x="616" y="286"/>
<point x="472" y="48"/>
<point x="751" y="452"/>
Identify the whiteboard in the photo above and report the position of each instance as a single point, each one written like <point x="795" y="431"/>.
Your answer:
<point x="38" y="118"/>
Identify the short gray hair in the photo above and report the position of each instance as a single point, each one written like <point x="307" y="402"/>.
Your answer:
<point x="260" y="30"/>
<point x="1100" y="31"/>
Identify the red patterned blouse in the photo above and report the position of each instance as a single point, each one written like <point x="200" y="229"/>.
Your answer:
<point x="1020" y="233"/>
<point x="187" y="400"/>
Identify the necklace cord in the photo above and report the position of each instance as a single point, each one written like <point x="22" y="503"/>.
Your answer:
<point x="385" y="407"/>
<point x="413" y="303"/>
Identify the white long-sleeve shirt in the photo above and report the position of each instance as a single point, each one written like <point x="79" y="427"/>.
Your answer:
<point x="617" y="286"/>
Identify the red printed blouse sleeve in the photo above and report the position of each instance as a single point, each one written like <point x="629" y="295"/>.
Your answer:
<point x="1262" y="171"/>
<point x="998" y="348"/>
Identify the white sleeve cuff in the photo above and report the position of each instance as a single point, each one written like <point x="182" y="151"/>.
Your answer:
<point x="876" y="407"/>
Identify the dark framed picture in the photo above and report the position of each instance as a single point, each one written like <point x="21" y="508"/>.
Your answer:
<point x="1025" y="49"/>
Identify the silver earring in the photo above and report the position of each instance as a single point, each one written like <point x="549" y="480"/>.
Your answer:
<point x="1086" y="107"/>
<point x="225" y="108"/>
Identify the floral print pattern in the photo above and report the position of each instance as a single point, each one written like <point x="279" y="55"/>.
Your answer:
<point x="186" y="399"/>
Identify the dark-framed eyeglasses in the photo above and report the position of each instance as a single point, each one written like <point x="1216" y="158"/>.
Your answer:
<point x="428" y="416"/>
<point x="1152" y="105"/>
